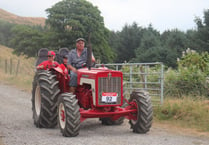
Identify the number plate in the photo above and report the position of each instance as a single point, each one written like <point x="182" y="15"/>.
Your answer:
<point x="109" y="97"/>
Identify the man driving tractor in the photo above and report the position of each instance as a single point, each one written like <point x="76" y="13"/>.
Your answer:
<point x="77" y="59"/>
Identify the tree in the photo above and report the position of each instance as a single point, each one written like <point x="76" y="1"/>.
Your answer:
<point x="26" y="40"/>
<point x="148" y="51"/>
<point x="127" y="41"/>
<point x="175" y="42"/>
<point x="5" y="32"/>
<point x="192" y="41"/>
<point x="70" y="19"/>
<point x="114" y="42"/>
<point x="202" y="35"/>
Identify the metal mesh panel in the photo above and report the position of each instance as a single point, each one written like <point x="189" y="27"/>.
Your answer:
<point x="109" y="84"/>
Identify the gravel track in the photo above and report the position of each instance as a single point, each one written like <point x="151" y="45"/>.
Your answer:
<point x="17" y="128"/>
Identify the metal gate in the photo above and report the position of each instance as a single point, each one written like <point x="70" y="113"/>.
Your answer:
<point x="146" y="76"/>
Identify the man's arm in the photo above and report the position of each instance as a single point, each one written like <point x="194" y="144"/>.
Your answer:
<point x="70" y="67"/>
<point x="92" y="58"/>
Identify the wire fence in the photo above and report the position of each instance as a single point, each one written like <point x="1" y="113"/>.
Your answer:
<point x="13" y="66"/>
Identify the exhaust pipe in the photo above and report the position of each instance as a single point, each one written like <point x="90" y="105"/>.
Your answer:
<point x="89" y="53"/>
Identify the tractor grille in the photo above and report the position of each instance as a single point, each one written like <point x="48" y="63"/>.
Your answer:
<point x="109" y="84"/>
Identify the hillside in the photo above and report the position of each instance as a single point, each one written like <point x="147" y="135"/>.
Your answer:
<point x="16" y="70"/>
<point x="12" y="18"/>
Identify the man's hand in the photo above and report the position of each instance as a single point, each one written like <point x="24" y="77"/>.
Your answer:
<point x="70" y="67"/>
<point x="83" y="65"/>
<point x="74" y="70"/>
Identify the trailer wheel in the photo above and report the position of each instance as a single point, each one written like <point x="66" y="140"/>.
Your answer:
<point x="142" y="102"/>
<point x="44" y="99"/>
<point x="68" y="115"/>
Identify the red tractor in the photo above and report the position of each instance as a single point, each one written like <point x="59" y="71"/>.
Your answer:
<point x="99" y="95"/>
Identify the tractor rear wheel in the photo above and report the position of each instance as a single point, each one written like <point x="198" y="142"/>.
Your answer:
<point x="44" y="99"/>
<point x="68" y="115"/>
<point x="142" y="102"/>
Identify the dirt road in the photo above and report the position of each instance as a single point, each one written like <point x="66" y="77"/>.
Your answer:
<point x="16" y="128"/>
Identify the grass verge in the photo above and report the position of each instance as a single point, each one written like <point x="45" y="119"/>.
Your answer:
<point x="185" y="112"/>
<point x="16" y="70"/>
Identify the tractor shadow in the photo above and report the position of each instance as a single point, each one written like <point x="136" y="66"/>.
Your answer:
<point x="96" y="128"/>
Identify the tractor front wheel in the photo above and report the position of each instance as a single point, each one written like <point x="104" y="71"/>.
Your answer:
<point x="68" y="115"/>
<point x="142" y="102"/>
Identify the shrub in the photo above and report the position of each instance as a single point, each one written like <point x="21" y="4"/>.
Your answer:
<point x="191" y="78"/>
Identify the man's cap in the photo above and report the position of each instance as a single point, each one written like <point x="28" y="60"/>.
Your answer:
<point x="80" y="39"/>
<point x="51" y="53"/>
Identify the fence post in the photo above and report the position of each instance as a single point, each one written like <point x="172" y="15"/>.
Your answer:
<point x="161" y="83"/>
<point x="116" y="67"/>
<point x="6" y="66"/>
<point x="142" y="75"/>
<point x="131" y="72"/>
<point x="146" y="75"/>
<point x="17" y="68"/>
<point x="10" y="66"/>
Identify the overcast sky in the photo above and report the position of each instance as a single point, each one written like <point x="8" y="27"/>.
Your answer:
<point x="162" y="14"/>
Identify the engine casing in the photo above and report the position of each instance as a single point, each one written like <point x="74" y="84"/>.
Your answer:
<point x="106" y="85"/>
